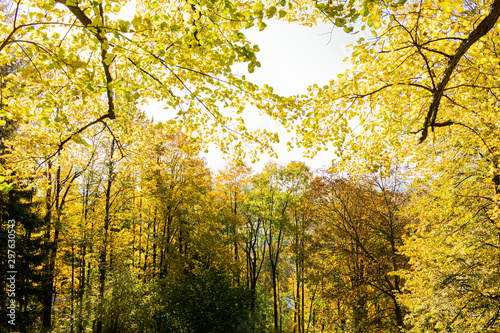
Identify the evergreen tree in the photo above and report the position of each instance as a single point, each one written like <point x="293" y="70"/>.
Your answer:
<point x="26" y="257"/>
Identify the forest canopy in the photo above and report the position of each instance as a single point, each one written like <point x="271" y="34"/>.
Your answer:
<point x="112" y="222"/>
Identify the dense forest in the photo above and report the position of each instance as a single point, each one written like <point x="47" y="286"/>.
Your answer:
<point x="112" y="222"/>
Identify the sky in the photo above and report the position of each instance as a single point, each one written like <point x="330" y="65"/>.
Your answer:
<point x="292" y="58"/>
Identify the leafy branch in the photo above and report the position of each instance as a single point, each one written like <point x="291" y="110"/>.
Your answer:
<point x="482" y="29"/>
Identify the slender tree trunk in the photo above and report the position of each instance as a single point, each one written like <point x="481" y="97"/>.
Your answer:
<point x="273" y="259"/>
<point x="235" y="238"/>
<point x="72" y="286"/>
<point x="57" y="228"/>
<point x="83" y="247"/>
<point x="298" y="321"/>
<point x="47" y="319"/>
<point x="81" y="290"/>
<point x="154" y="244"/>
<point x="302" y="275"/>
<point x="236" y="261"/>
<point x="144" y="270"/>
<point x="254" y="265"/>
<point x="134" y="224"/>
<point x="298" y="301"/>
<point x="280" y="306"/>
<point x="140" y="234"/>
<point x="303" y="297"/>
<point x="103" y="252"/>
<point x="275" y="297"/>
<point x="47" y="281"/>
<point x="165" y="237"/>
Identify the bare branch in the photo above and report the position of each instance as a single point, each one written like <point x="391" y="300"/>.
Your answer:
<point x="436" y="51"/>
<point x="78" y="131"/>
<point x="443" y="124"/>
<point x="390" y="85"/>
<point x="17" y="11"/>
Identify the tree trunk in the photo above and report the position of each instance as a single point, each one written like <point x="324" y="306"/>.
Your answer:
<point x="47" y="281"/>
<point x="275" y="297"/>
<point x="154" y="244"/>
<point x="103" y="252"/>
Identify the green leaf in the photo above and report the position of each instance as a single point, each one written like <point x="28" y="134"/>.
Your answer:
<point x="5" y="187"/>
<point x="348" y="29"/>
<point x="78" y="139"/>
<point x="46" y="120"/>
<point x="124" y="25"/>
<point x="137" y="22"/>
<point x="365" y="11"/>
<point x="340" y="22"/>
<point x="78" y="64"/>
<point x="271" y="11"/>
<point x="109" y="58"/>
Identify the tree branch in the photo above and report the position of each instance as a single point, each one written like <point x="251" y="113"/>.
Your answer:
<point x="78" y="131"/>
<point x="101" y="37"/>
<point x="482" y="29"/>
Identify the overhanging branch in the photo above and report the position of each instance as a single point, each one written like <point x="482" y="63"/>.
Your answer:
<point x="101" y="37"/>
<point x="482" y="29"/>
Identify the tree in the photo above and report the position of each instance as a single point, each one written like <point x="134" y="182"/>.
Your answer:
<point x="29" y="253"/>
<point x="179" y="53"/>
<point x="275" y="191"/>
<point x="354" y="250"/>
<point x="453" y="251"/>
<point x="253" y="246"/>
<point x="230" y="185"/>
<point x="425" y="57"/>
<point x="424" y="91"/>
<point x="176" y="181"/>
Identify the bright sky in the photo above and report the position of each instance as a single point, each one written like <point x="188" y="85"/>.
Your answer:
<point x="292" y="57"/>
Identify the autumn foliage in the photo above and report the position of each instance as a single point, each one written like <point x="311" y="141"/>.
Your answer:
<point x="122" y="226"/>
